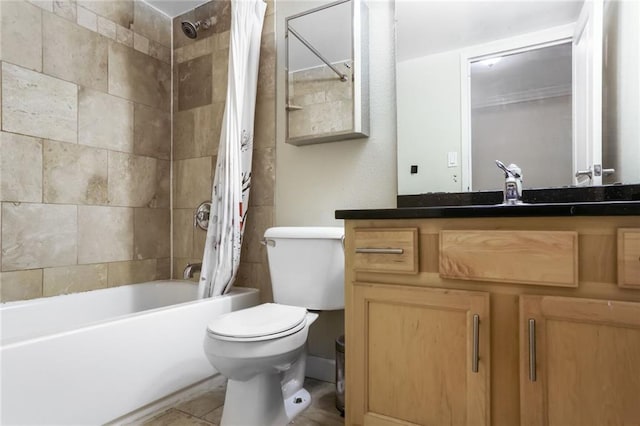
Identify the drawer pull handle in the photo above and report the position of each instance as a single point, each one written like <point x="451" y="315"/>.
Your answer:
<point x="532" y="349"/>
<point x="380" y="250"/>
<point x="476" y="344"/>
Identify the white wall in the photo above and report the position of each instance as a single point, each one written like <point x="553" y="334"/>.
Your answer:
<point x="429" y="123"/>
<point x="621" y="109"/>
<point x="315" y="180"/>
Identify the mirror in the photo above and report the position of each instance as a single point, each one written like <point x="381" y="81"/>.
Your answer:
<point x="327" y="74"/>
<point x="484" y="80"/>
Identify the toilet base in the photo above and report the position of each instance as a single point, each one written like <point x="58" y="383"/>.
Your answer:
<point x="259" y="402"/>
<point x="297" y="403"/>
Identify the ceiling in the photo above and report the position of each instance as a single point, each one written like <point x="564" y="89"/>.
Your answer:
<point x="428" y="27"/>
<point x="174" y="8"/>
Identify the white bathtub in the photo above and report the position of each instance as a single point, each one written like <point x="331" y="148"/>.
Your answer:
<point x="89" y="358"/>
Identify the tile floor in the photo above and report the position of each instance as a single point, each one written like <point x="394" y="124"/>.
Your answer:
<point x="206" y="409"/>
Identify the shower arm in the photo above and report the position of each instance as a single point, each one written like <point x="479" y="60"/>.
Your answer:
<point x="343" y="77"/>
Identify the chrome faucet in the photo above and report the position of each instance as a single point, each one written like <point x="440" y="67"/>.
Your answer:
<point x="512" y="183"/>
<point x="191" y="269"/>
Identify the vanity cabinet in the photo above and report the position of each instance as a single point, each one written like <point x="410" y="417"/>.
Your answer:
<point x="580" y="361"/>
<point x="453" y="342"/>
<point x="423" y="355"/>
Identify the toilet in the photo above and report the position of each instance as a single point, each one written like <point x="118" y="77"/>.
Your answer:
<point x="261" y="350"/>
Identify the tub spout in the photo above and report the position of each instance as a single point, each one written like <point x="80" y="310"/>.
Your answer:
<point x="191" y="269"/>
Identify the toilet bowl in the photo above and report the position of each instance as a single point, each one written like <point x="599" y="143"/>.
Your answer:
<point x="262" y="350"/>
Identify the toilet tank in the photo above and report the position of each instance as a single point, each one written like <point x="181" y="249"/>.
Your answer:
<point x="306" y="265"/>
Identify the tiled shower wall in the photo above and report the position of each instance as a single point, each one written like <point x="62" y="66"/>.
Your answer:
<point x="85" y="146"/>
<point x="200" y="85"/>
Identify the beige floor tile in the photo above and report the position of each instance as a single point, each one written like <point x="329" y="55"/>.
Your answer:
<point x="174" y="417"/>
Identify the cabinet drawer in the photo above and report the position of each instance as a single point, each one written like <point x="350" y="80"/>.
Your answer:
<point x="391" y="250"/>
<point x="629" y="257"/>
<point x="526" y="257"/>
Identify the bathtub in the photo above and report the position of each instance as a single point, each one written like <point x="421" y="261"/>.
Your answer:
<point x="89" y="358"/>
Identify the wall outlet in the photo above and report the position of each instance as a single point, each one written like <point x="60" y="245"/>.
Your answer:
<point x="452" y="159"/>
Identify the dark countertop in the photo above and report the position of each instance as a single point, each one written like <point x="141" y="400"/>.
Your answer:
<point x="600" y="208"/>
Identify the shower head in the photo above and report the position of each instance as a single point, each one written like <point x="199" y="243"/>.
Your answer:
<point x="191" y="29"/>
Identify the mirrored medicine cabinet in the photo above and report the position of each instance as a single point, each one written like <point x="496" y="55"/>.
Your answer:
<point x="326" y="89"/>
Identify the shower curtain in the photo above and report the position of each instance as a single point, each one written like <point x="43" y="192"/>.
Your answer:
<point x="230" y="194"/>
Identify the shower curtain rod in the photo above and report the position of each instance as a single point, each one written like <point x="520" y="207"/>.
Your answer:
<point x="343" y="77"/>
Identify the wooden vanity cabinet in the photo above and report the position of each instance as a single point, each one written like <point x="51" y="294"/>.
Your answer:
<point x="411" y="344"/>
<point x="422" y="355"/>
<point x="580" y="361"/>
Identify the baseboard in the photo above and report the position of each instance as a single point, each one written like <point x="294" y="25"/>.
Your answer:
<point x="150" y="410"/>
<point x="321" y="369"/>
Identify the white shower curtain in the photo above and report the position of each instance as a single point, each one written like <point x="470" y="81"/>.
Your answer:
<point x="230" y="194"/>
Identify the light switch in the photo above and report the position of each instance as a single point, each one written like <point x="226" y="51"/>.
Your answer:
<point x="452" y="159"/>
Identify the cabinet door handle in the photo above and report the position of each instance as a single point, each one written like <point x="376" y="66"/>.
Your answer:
<point x="475" y="356"/>
<point x="379" y="250"/>
<point x="532" y="349"/>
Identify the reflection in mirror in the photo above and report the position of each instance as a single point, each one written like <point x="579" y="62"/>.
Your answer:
<point x="325" y="76"/>
<point x="449" y="137"/>
<point x="521" y="111"/>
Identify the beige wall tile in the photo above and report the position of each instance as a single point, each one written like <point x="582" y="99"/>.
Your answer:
<point x="152" y="132"/>
<point x="138" y="77"/>
<point x="199" y="47"/>
<point x="151" y="233"/>
<point x="21" y="34"/>
<point x="118" y="11"/>
<point x="137" y="271"/>
<point x="38" y="235"/>
<point x="208" y="122"/>
<point x="74" y="174"/>
<point x="194" y="82"/>
<point x="132" y="180"/>
<point x="105" y="121"/>
<point x="20" y="168"/>
<point x="72" y="279"/>
<point x="182" y="232"/>
<point x="263" y="178"/>
<point x="66" y="9"/>
<point x="183" y="134"/>
<point x="141" y="43"/>
<point x="43" y="4"/>
<point x="20" y="285"/>
<point x="37" y="105"/>
<point x="265" y="124"/>
<point x="73" y="53"/>
<point x="219" y="71"/>
<point x="105" y="234"/>
<point x="151" y="23"/>
<point x="162" y="198"/>
<point x="124" y="36"/>
<point x="87" y="19"/>
<point x="107" y="28"/>
<point x="258" y="220"/>
<point x="159" y="51"/>
<point x="163" y="269"/>
<point x="199" y="240"/>
<point x="192" y="182"/>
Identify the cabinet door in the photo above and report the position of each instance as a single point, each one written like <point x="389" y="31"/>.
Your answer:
<point x="418" y="356"/>
<point x="580" y="361"/>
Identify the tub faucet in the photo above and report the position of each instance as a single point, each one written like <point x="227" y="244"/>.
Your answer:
<point x="191" y="269"/>
<point x="512" y="183"/>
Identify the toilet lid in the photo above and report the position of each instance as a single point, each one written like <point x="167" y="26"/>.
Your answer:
<point x="259" y="321"/>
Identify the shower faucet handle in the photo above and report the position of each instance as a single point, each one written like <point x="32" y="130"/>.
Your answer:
<point x="201" y="216"/>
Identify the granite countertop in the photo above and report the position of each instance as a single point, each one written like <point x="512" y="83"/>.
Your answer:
<point x="600" y="208"/>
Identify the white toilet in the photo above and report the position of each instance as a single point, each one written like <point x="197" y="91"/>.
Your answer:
<point x="261" y="350"/>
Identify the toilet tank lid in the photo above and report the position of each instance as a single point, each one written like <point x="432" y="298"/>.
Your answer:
<point x="328" y="232"/>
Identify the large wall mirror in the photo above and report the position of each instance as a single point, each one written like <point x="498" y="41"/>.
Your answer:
<point x="327" y="73"/>
<point x="552" y="86"/>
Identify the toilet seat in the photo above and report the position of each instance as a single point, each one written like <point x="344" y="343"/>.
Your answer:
<point x="262" y="322"/>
